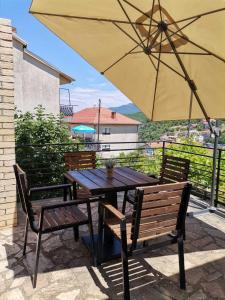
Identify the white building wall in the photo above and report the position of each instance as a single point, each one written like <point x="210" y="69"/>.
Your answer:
<point x="126" y="134"/>
<point x="35" y="83"/>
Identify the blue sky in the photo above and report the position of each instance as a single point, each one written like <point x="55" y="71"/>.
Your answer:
<point x="89" y="85"/>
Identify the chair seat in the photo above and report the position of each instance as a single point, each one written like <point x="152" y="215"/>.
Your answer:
<point x="83" y="194"/>
<point x="114" y="225"/>
<point x="62" y="217"/>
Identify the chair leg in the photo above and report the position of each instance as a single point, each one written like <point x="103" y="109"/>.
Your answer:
<point x="74" y="191"/>
<point x="124" y="257"/>
<point x="37" y="259"/>
<point x="90" y="225"/>
<point x="181" y="263"/>
<point x="124" y="202"/>
<point x="76" y="233"/>
<point x="100" y="236"/>
<point x="70" y="193"/>
<point x="25" y="236"/>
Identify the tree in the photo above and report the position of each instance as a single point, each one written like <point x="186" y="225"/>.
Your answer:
<point x="41" y="141"/>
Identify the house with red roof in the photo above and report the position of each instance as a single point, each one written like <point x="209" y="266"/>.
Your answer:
<point x="113" y="127"/>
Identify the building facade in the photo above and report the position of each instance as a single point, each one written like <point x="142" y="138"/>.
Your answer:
<point x="116" y="131"/>
<point x="36" y="81"/>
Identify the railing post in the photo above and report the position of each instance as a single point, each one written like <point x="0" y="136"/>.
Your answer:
<point x="218" y="177"/>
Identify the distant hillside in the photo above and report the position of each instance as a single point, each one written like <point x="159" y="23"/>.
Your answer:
<point x="139" y="116"/>
<point x="126" y="109"/>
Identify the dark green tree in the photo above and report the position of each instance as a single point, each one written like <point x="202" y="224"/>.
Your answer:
<point x="41" y="141"/>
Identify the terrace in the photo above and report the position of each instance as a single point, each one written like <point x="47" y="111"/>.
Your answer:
<point x="65" y="270"/>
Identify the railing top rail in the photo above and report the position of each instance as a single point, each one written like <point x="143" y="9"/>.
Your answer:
<point x="80" y="143"/>
<point x="114" y="143"/>
<point x="197" y="146"/>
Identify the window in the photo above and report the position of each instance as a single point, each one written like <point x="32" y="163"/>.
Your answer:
<point x="106" y="131"/>
<point x="106" y="147"/>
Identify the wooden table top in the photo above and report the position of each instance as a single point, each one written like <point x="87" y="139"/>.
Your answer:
<point x="96" y="182"/>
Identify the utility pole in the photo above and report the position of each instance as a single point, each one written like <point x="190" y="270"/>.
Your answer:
<point x="99" y="113"/>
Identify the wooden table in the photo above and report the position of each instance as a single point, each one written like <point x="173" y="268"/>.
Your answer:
<point x="96" y="181"/>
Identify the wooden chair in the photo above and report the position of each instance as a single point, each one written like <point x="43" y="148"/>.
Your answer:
<point x="49" y="218"/>
<point x="173" y="169"/>
<point x="78" y="161"/>
<point x="159" y="210"/>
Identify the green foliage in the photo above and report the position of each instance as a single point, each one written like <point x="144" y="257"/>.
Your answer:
<point x="200" y="158"/>
<point x="152" y="131"/>
<point x="140" y="161"/>
<point x="40" y="128"/>
<point x="41" y="141"/>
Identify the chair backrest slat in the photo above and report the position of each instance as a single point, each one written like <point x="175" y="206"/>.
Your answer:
<point x="160" y="210"/>
<point x="80" y="160"/>
<point x="174" y="169"/>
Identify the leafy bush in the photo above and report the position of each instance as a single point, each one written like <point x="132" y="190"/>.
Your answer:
<point x="41" y="141"/>
<point x="140" y="161"/>
<point x="200" y="160"/>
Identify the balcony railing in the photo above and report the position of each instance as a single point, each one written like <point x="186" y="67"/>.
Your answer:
<point x="44" y="164"/>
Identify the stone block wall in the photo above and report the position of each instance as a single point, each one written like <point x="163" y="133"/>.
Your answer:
<point x="8" y="215"/>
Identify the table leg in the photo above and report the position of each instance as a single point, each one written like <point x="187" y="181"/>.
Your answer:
<point x="111" y="246"/>
<point x="111" y="198"/>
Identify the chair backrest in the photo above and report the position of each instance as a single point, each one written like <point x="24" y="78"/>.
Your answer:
<point x="80" y="160"/>
<point x="174" y="169"/>
<point x="159" y="210"/>
<point x="23" y="191"/>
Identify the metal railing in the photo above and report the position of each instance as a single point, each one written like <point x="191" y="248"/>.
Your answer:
<point x="44" y="164"/>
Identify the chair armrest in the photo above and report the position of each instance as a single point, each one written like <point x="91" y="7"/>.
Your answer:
<point x="64" y="204"/>
<point x="50" y="188"/>
<point x="114" y="211"/>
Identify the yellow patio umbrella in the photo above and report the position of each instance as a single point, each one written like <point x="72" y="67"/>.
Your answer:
<point x="167" y="56"/>
<point x="155" y="52"/>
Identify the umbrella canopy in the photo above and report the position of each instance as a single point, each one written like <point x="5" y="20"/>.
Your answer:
<point x="83" y="129"/>
<point x="156" y="52"/>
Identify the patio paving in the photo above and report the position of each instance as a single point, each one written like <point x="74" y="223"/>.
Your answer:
<point x="65" y="271"/>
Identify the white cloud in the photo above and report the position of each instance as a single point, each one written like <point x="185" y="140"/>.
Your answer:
<point x="88" y="97"/>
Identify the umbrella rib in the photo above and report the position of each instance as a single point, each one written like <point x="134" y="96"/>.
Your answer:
<point x="126" y="14"/>
<point x="198" y="46"/>
<point x="174" y="33"/>
<point x="127" y="34"/>
<point x="168" y="66"/>
<point x="88" y="18"/>
<point x="156" y="78"/>
<point x="150" y="25"/>
<point x="122" y="57"/>
<point x="160" y="10"/>
<point x="199" y="15"/>
<point x="139" y="10"/>
<point x="189" y="81"/>
<point x="190" y="53"/>
<point x="152" y="62"/>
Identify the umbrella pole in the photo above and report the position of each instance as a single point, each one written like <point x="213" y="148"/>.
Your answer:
<point x="214" y="130"/>
<point x="215" y="148"/>
<point x="189" y="117"/>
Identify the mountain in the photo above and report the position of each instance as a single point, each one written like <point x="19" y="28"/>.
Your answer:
<point x="125" y="109"/>
<point x="139" y="116"/>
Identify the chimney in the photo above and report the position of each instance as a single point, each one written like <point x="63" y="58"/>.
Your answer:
<point x="113" y="114"/>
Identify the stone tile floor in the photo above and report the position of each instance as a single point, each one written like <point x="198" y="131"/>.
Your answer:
<point x="65" y="271"/>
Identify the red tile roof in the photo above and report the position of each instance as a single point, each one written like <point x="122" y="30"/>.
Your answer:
<point x="90" y="116"/>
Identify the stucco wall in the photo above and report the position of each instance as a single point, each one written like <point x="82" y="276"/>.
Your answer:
<point x="35" y="83"/>
<point x="8" y="215"/>
<point x="119" y="133"/>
